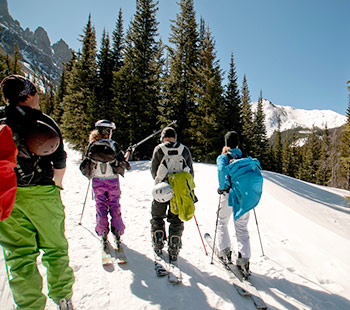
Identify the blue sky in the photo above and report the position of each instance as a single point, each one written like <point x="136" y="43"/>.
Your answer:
<point x="297" y="52"/>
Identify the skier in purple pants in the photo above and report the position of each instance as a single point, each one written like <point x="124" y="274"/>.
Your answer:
<point x="107" y="195"/>
<point x="107" y="161"/>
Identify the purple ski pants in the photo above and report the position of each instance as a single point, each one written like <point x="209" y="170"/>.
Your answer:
<point x="107" y="195"/>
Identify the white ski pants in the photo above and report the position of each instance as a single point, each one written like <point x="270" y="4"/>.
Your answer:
<point x="241" y="228"/>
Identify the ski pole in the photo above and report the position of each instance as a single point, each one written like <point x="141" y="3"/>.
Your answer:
<point x="82" y="212"/>
<point x="257" y="226"/>
<point x="132" y="148"/>
<point x="205" y="249"/>
<point x="216" y="229"/>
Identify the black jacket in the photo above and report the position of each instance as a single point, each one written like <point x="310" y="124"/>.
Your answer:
<point x="31" y="169"/>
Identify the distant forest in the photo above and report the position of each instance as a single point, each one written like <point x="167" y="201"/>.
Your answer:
<point x="142" y="84"/>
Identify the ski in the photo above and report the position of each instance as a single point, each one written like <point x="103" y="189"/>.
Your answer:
<point x="107" y="259"/>
<point x="160" y="265"/>
<point x="120" y="256"/>
<point x="175" y="274"/>
<point x="243" y="286"/>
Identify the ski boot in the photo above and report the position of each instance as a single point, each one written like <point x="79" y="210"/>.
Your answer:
<point x="225" y="255"/>
<point x="65" y="304"/>
<point x="104" y="241"/>
<point x="158" y="241"/>
<point x="243" y="265"/>
<point x="117" y="239"/>
<point x="174" y="247"/>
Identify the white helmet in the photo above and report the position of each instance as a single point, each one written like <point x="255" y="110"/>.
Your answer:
<point x="105" y="124"/>
<point x="162" y="192"/>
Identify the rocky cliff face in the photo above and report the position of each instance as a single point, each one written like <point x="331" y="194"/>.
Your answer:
<point x="35" y="47"/>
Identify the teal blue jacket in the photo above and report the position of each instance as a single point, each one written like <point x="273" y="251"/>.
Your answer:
<point x="222" y="163"/>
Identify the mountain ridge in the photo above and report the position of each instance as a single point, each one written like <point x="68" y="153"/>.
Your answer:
<point x="297" y="118"/>
<point x="35" y="47"/>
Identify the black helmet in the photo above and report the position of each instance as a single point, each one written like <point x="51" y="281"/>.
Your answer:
<point x="104" y="124"/>
<point x="42" y="139"/>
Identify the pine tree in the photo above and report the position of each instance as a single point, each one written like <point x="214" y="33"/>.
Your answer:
<point x="206" y="120"/>
<point x="247" y="119"/>
<point x="232" y="117"/>
<point x="3" y="73"/>
<point x="278" y="158"/>
<point x="324" y="170"/>
<point x="294" y="157"/>
<point x="62" y="88"/>
<point x="179" y="97"/>
<point x="105" y="65"/>
<point x="311" y="156"/>
<point x="137" y="84"/>
<point x="81" y="86"/>
<point x="260" y="143"/>
<point x="118" y="43"/>
<point x="345" y="148"/>
<point x="17" y="57"/>
<point x="47" y="99"/>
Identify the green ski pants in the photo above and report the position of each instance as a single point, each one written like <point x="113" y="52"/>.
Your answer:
<point x="37" y="223"/>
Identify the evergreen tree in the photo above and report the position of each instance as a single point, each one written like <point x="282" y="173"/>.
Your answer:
<point x="260" y="142"/>
<point x="311" y="156"/>
<point x="294" y="157"/>
<point x="105" y="109"/>
<point x="118" y="43"/>
<point x="278" y="158"/>
<point x="47" y="99"/>
<point x="80" y="89"/>
<point x="247" y="119"/>
<point x="324" y="170"/>
<point x="3" y="74"/>
<point x="17" y="57"/>
<point x="206" y="120"/>
<point x="181" y="82"/>
<point x="137" y="84"/>
<point x="62" y="89"/>
<point x="232" y="116"/>
<point x="345" y="148"/>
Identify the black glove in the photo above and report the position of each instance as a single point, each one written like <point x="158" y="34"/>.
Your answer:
<point x="222" y="191"/>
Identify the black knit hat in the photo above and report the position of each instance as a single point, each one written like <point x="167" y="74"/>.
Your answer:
<point x="168" y="132"/>
<point x="232" y="139"/>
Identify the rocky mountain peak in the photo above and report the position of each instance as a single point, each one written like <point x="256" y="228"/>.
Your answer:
<point x="61" y="49"/>
<point x="35" y="48"/>
<point x="42" y="40"/>
<point x="4" y="11"/>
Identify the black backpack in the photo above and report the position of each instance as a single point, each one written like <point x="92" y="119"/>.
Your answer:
<point x="102" y="151"/>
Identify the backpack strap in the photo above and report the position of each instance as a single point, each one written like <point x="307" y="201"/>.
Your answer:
<point x="177" y="146"/>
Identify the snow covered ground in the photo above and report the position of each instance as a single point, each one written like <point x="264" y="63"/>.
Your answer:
<point x="304" y="231"/>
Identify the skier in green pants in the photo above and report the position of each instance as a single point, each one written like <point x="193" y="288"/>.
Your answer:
<point x="37" y="219"/>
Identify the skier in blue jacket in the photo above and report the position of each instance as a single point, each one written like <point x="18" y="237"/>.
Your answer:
<point x="231" y="152"/>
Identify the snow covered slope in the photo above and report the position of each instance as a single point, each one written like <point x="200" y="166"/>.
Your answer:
<point x="304" y="232"/>
<point x="291" y="117"/>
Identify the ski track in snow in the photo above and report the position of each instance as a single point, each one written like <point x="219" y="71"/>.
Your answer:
<point x="304" y="232"/>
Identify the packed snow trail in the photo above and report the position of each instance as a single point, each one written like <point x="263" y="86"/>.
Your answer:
<point x="305" y="267"/>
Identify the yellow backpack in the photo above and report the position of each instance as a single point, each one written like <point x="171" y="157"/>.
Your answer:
<point x="184" y="198"/>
